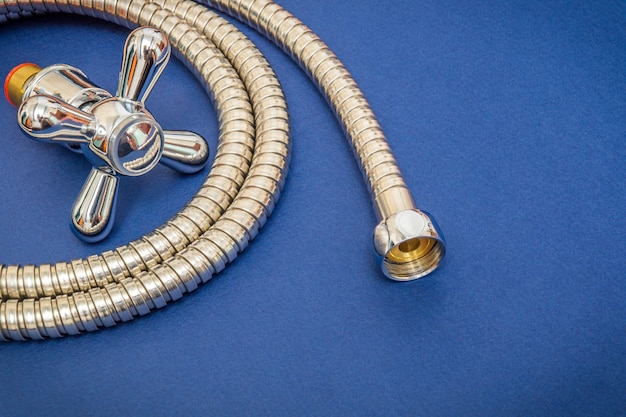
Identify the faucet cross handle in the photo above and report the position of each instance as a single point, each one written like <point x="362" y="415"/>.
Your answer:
<point x="58" y="104"/>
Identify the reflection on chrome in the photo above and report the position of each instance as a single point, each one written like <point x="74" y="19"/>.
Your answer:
<point x="117" y="135"/>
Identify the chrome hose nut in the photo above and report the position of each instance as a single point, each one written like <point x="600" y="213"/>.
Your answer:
<point x="409" y="245"/>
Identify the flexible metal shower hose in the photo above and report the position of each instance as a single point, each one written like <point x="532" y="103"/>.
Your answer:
<point x="244" y="183"/>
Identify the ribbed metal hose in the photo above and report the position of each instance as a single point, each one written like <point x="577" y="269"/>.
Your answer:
<point x="244" y="183"/>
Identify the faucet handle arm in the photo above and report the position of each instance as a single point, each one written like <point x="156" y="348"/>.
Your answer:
<point x="184" y="151"/>
<point x="48" y="119"/>
<point x="146" y="52"/>
<point x="93" y="212"/>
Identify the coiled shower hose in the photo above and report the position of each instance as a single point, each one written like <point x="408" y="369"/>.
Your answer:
<point x="244" y="183"/>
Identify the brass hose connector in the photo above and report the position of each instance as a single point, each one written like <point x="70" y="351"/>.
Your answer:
<point x="409" y="245"/>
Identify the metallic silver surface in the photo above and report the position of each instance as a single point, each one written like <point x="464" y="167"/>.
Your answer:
<point x="409" y="244"/>
<point x="146" y="53"/>
<point x="245" y="181"/>
<point x="186" y="152"/>
<point x="48" y="119"/>
<point x="94" y="209"/>
<point x="128" y="139"/>
<point x="66" y="83"/>
<point x="116" y="134"/>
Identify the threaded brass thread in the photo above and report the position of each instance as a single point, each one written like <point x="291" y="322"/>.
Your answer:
<point x="15" y="83"/>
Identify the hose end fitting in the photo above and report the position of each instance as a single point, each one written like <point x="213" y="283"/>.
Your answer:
<point x="410" y="245"/>
<point x="16" y="81"/>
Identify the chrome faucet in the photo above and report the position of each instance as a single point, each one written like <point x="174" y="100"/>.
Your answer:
<point x="59" y="104"/>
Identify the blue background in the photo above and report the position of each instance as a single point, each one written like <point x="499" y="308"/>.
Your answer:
<point x="508" y="120"/>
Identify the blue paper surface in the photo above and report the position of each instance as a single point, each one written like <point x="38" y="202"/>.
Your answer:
<point x="508" y="120"/>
